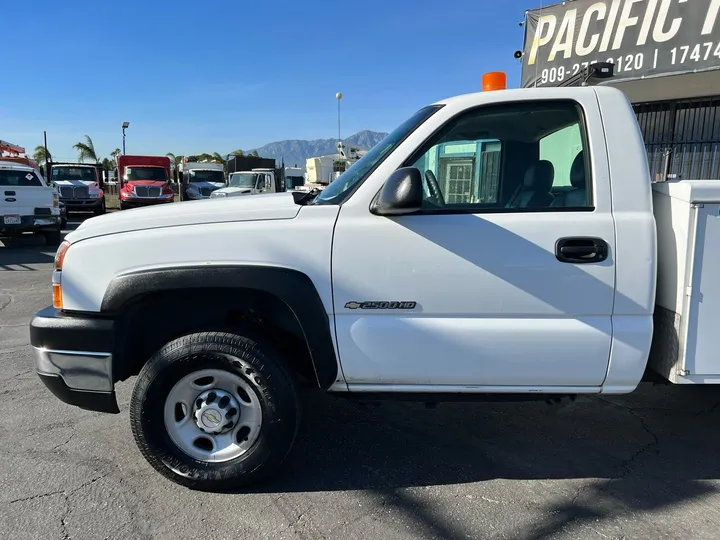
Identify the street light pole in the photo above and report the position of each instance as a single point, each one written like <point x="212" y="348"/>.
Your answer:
<point x="124" y="127"/>
<point x="339" y="96"/>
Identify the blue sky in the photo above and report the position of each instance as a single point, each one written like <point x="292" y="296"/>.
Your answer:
<point x="240" y="74"/>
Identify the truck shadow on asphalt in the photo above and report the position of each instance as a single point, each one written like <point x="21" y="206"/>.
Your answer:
<point x="652" y="450"/>
<point x="29" y="249"/>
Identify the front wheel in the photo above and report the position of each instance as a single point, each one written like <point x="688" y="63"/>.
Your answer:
<point x="215" y="411"/>
<point x="100" y="210"/>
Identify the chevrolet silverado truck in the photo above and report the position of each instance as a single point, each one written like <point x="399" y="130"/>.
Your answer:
<point x="504" y="242"/>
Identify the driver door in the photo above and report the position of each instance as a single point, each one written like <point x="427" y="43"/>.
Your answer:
<point x="469" y="293"/>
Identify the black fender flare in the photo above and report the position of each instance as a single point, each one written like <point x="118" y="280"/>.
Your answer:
<point x="292" y="287"/>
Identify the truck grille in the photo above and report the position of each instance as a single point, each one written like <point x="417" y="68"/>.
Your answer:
<point x="74" y="192"/>
<point x="147" y="191"/>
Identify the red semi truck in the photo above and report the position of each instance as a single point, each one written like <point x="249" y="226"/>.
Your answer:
<point x="144" y="181"/>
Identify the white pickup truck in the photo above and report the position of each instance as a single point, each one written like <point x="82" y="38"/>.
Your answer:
<point x="28" y="204"/>
<point x="495" y="243"/>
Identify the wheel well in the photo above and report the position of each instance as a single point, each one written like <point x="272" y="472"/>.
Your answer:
<point x="159" y="317"/>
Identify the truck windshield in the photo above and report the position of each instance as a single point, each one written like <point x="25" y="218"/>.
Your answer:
<point x="345" y="184"/>
<point x="156" y="174"/>
<point x="242" y="180"/>
<point x="207" y="176"/>
<point x="73" y="173"/>
<point x="19" y="178"/>
<point x="294" y="181"/>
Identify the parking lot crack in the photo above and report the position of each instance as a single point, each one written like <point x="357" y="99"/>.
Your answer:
<point x="58" y="491"/>
<point x="70" y="438"/>
<point x="38" y="496"/>
<point x="655" y="441"/>
<point x="710" y="410"/>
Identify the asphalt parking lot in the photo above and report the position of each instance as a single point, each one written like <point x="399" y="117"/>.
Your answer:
<point x="642" y="466"/>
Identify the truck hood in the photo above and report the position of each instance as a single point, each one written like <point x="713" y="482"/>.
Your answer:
<point x="178" y="214"/>
<point x="147" y="182"/>
<point x="88" y="183"/>
<point x="232" y="191"/>
<point x="205" y="184"/>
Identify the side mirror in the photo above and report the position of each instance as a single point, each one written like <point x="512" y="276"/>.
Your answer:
<point x="401" y="194"/>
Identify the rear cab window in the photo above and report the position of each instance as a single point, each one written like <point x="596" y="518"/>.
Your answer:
<point x="19" y="178"/>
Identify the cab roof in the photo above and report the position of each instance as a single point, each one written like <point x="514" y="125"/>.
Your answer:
<point x="15" y="165"/>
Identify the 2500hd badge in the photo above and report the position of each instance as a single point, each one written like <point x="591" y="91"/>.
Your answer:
<point x="380" y="305"/>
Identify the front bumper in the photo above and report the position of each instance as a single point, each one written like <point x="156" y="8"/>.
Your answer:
<point x="133" y="202"/>
<point x="83" y="204"/>
<point x="73" y="357"/>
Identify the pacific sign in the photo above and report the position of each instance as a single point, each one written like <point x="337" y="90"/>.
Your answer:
<point x="641" y="37"/>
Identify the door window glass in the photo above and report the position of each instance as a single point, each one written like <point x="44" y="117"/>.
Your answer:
<point x="525" y="156"/>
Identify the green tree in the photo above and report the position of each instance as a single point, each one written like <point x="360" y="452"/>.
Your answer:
<point x="218" y="157"/>
<point x="254" y="153"/>
<point x="41" y="155"/>
<point x="238" y="153"/>
<point x="86" y="150"/>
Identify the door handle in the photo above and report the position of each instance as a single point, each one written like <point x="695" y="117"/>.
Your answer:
<point x="581" y="250"/>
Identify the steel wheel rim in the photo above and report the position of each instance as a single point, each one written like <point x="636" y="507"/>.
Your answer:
<point x="187" y="421"/>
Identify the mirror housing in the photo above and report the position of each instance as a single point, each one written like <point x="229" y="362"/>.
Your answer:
<point x="401" y="194"/>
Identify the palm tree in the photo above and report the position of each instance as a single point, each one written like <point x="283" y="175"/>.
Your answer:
<point x="238" y="153"/>
<point x="86" y="150"/>
<point x="115" y="153"/>
<point x="41" y="155"/>
<point x="175" y="159"/>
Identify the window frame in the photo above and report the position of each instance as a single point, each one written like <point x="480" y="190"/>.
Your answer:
<point x="426" y="145"/>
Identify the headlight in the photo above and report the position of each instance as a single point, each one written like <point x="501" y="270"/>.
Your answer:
<point x="97" y="193"/>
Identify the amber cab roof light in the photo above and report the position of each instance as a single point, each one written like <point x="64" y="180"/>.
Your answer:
<point x="494" y="80"/>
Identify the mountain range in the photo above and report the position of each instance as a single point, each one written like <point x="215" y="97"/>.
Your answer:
<point x="295" y="152"/>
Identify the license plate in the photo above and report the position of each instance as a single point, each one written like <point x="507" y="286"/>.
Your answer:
<point x="12" y="220"/>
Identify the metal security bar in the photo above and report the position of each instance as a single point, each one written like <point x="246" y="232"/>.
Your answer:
<point x="682" y="138"/>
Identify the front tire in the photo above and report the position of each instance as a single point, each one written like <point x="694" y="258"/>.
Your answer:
<point x="215" y="411"/>
<point x="100" y="210"/>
